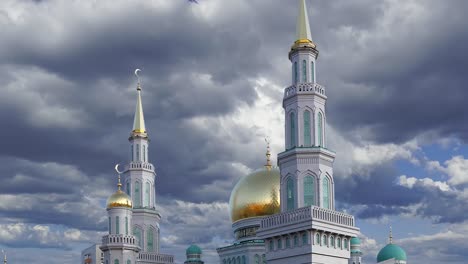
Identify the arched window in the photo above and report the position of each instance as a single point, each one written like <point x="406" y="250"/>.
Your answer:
<point x="126" y="226"/>
<point x="116" y="261"/>
<point x="332" y="242"/>
<point x="296" y="241"/>
<point x="345" y="243"/>
<point x="304" y="71"/>
<point x="137" y="234"/>
<point x="312" y="72"/>
<point x="290" y="193"/>
<point x="137" y="152"/>
<point x="326" y="193"/>
<point x="317" y="239"/>
<point x="306" y="117"/>
<point x="309" y="191"/>
<point x="325" y="240"/>
<point x="131" y="149"/>
<point x="320" y="129"/>
<point x="128" y="188"/>
<point x="295" y="72"/>
<point x="292" y="129"/>
<point x="244" y="260"/>
<point x="137" y="194"/>
<point x="117" y="225"/>
<point x="147" y="194"/>
<point x="272" y="245"/>
<point x="338" y="242"/>
<point x="257" y="259"/>
<point x="288" y="242"/>
<point x="129" y="262"/>
<point x="280" y="244"/>
<point x="238" y="260"/>
<point x="144" y="153"/>
<point x="229" y="261"/>
<point x="149" y="243"/>
<point x="263" y="259"/>
<point x="110" y="226"/>
<point x="304" y="239"/>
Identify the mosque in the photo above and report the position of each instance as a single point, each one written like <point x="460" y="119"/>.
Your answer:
<point x="280" y="215"/>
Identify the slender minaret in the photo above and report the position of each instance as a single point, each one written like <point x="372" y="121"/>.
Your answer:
<point x="4" y="257"/>
<point x="139" y="182"/>
<point x="306" y="164"/>
<point x="119" y="246"/>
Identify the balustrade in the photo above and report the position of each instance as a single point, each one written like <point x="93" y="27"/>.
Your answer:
<point x="304" y="88"/>
<point x="156" y="257"/>
<point x="308" y="213"/>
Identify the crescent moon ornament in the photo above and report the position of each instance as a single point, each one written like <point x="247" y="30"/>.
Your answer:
<point x="117" y="169"/>
<point x="136" y="72"/>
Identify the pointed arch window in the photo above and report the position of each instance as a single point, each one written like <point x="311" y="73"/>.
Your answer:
<point x="320" y="129"/>
<point x="128" y="188"/>
<point x="290" y="194"/>
<point x="332" y="241"/>
<point x="309" y="191"/>
<point x="304" y="239"/>
<point x="144" y="153"/>
<point x="296" y="79"/>
<point x="137" y="152"/>
<point x="326" y="193"/>
<point x="126" y="225"/>
<point x="288" y="242"/>
<point x="117" y="225"/>
<point x="257" y="259"/>
<point x="325" y="240"/>
<point x="137" y="198"/>
<point x="317" y="239"/>
<point x="116" y="261"/>
<point x="110" y="226"/>
<point x="292" y="129"/>
<point x="312" y="72"/>
<point x="272" y="245"/>
<point x="129" y="262"/>
<point x="131" y="150"/>
<point x="150" y="239"/>
<point x="244" y="260"/>
<point x="304" y="71"/>
<point x="280" y="244"/>
<point x="338" y="242"/>
<point x="137" y="234"/>
<point x="306" y="117"/>
<point x="296" y="241"/>
<point x="147" y="194"/>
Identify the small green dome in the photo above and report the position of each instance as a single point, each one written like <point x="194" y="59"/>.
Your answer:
<point x="355" y="241"/>
<point x="193" y="250"/>
<point x="391" y="251"/>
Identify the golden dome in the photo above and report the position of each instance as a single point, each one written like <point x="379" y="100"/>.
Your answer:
<point x="119" y="199"/>
<point x="257" y="194"/>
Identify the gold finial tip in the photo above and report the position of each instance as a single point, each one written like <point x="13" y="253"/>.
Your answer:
<point x="268" y="154"/>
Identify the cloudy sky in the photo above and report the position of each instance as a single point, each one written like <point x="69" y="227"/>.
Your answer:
<point x="213" y="75"/>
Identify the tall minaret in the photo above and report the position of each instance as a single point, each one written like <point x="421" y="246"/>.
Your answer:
<point x="306" y="165"/>
<point x="356" y="253"/>
<point x="119" y="246"/>
<point x="140" y="182"/>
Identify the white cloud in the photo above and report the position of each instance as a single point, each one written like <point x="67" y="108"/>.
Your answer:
<point x="409" y="182"/>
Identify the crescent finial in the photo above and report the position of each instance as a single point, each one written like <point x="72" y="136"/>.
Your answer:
<point x="138" y="78"/>
<point x="117" y="169"/>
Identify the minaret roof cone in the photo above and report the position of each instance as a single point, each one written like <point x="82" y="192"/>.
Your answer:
<point x="303" y="34"/>
<point x="139" y="121"/>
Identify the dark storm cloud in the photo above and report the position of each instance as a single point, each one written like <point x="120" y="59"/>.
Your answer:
<point x="196" y="67"/>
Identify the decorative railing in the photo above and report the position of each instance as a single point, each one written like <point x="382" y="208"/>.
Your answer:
<point x="304" y="88"/>
<point x="160" y="258"/>
<point x="119" y="239"/>
<point x="308" y="213"/>
<point x="139" y="165"/>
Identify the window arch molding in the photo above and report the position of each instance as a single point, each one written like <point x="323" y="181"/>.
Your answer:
<point x="307" y="126"/>
<point x="291" y="189"/>
<point x="320" y="128"/>
<point x="292" y="128"/>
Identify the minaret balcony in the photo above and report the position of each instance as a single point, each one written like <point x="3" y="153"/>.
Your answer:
<point x="120" y="239"/>
<point x="309" y="214"/>
<point x="155" y="257"/>
<point x="305" y="88"/>
<point x="139" y="165"/>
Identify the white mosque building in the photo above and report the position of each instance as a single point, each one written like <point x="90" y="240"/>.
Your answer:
<point x="279" y="215"/>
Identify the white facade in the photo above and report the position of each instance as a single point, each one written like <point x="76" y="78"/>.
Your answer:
<point x="92" y="255"/>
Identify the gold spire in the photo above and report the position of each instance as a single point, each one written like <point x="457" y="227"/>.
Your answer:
<point x="139" y="121"/>
<point x="390" y="237"/>
<point x="303" y="34"/>
<point x="268" y="155"/>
